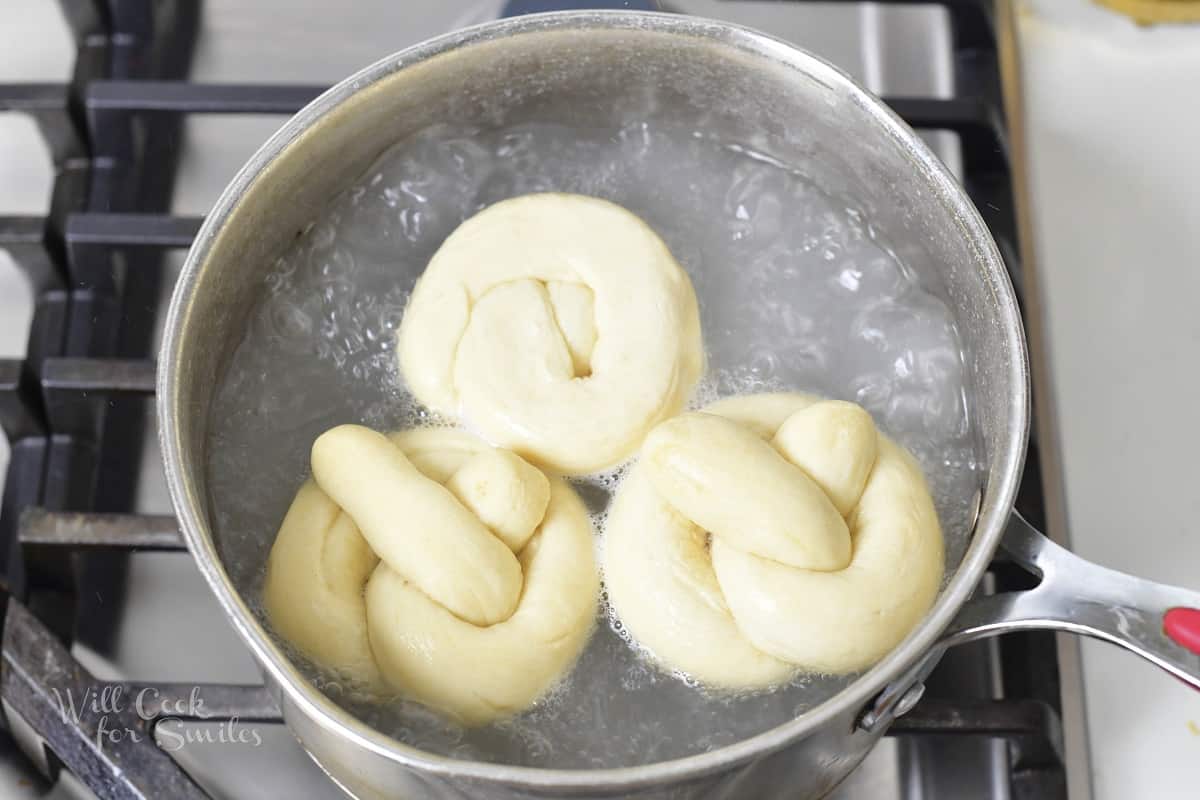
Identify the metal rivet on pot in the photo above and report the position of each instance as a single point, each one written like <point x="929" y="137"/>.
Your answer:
<point x="890" y="704"/>
<point x="910" y="698"/>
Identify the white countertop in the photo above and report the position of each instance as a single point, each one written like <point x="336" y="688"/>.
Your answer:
<point x="1112" y="113"/>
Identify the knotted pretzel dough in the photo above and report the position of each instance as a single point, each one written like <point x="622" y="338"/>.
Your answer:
<point x="825" y="545"/>
<point x="432" y="565"/>
<point x="557" y="325"/>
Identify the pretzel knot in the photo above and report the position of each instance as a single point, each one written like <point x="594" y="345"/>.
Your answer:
<point x="558" y="325"/>
<point x="432" y="565"/>
<point x="769" y="534"/>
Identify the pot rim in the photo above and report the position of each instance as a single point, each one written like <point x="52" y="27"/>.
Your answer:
<point x="1000" y="483"/>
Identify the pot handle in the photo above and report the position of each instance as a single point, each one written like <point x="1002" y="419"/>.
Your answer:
<point x="1158" y="622"/>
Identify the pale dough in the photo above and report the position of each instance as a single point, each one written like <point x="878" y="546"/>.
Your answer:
<point x="769" y="534"/>
<point x="557" y="325"/>
<point x="432" y="565"/>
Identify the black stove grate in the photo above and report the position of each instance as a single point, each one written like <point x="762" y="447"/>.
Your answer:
<point x="94" y="264"/>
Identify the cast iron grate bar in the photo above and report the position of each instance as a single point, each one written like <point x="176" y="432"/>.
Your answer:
<point x="1027" y="721"/>
<point x="184" y="97"/>
<point x="38" y="674"/>
<point x="77" y="392"/>
<point x="131" y="230"/>
<point x="40" y="527"/>
<point x="1032" y="729"/>
<point x="10" y="385"/>
<point x="43" y="683"/>
<point x="19" y="416"/>
<point x="198" y="98"/>
<point x="110" y="375"/>
<point x="206" y="702"/>
<point x="92" y="239"/>
<point x="25" y="239"/>
<point x="963" y="114"/>
<point x="49" y="104"/>
<point x="979" y="127"/>
<point x="33" y="98"/>
<point x="21" y="231"/>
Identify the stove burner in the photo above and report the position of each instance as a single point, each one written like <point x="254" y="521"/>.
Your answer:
<point x="70" y="407"/>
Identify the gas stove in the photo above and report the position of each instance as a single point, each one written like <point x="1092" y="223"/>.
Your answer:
<point x="120" y="121"/>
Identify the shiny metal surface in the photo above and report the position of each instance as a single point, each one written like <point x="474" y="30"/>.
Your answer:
<point x="1077" y="596"/>
<point x="581" y="68"/>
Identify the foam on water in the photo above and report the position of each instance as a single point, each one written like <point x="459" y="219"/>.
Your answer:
<point x="797" y="291"/>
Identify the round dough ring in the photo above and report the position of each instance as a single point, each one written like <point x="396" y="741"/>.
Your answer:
<point x="559" y="326"/>
<point x="732" y="619"/>
<point x="330" y="595"/>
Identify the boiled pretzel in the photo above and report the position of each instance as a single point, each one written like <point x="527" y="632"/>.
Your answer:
<point x="770" y="534"/>
<point x="437" y="567"/>
<point x="557" y="325"/>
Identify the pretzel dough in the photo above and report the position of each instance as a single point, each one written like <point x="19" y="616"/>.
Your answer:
<point x="825" y="545"/>
<point x="430" y="564"/>
<point x="559" y="326"/>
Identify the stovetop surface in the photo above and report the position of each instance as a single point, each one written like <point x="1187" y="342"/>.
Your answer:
<point x="76" y="370"/>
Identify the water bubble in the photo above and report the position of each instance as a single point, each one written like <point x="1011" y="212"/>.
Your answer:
<point x="636" y="139"/>
<point x="753" y="204"/>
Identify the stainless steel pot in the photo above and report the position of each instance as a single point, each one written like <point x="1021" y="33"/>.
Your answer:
<point x="584" y="69"/>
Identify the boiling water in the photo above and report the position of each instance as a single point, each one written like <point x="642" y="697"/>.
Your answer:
<point x="797" y="291"/>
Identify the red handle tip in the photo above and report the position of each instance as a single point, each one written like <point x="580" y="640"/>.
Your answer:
<point x="1183" y="626"/>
